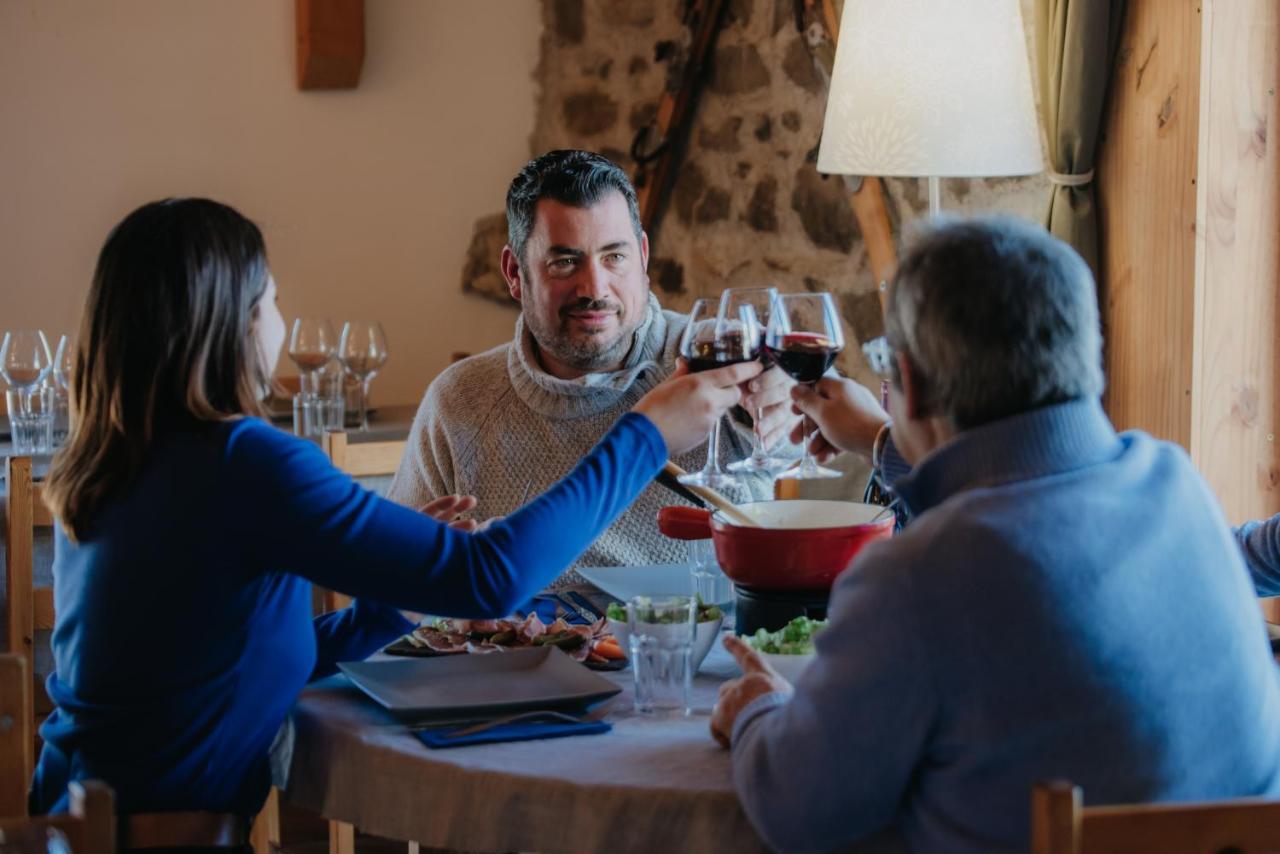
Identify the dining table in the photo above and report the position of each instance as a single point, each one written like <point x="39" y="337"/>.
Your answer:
<point x="653" y="782"/>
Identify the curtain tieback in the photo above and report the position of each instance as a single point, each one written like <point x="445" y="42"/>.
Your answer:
<point x="1065" y="179"/>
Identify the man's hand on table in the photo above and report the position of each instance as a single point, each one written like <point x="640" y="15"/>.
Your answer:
<point x="767" y="398"/>
<point x="757" y="679"/>
<point x="848" y="416"/>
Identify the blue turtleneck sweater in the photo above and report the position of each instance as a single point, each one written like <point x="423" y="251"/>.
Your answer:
<point x="184" y="629"/>
<point x="1065" y="603"/>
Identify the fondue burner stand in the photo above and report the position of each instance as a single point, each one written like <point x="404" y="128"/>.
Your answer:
<point x="772" y="609"/>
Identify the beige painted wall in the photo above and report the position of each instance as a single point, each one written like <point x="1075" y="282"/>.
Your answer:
<point x="366" y="197"/>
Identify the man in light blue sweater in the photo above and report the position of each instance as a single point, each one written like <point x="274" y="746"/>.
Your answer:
<point x="1065" y="602"/>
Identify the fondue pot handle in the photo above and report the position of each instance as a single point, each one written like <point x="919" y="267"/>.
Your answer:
<point x="685" y="523"/>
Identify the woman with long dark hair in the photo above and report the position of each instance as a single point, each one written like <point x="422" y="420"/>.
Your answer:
<point x="190" y="530"/>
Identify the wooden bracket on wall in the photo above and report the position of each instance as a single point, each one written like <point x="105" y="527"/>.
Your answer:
<point x="866" y="192"/>
<point x="330" y="43"/>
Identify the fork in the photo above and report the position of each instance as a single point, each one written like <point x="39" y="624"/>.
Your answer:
<point x="591" y="717"/>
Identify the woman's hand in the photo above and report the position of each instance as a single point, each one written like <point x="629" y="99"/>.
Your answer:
<point x="684" y="406"/>
<point x="447" y="508"/>
<point x="847" y="414"/>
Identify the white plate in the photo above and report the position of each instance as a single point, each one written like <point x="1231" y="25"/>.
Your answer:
<point x="625" y="582"/>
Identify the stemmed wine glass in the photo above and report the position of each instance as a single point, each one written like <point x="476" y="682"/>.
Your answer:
<point x="761" y="301"/>
<point x="64" y="363"/>
<point x="804" y="337"/>
<point x="714" y="340"/>
<point x="312" y="344"/>
<point x="25" y="359"/>
<point x="363" y="352"/>
<point x="63" y="366"/>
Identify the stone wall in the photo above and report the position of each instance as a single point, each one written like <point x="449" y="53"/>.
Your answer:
<point x="747" y="207"/>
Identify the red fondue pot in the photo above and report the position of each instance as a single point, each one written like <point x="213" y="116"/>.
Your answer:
<point x="800" y="544"/>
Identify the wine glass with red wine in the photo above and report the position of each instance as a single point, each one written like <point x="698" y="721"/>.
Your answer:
<point x="312" y="343"/>
<point x="761" y="301"/>
<point x="714" y="340"/>
<point x="803" y="337"/>
<point x="363" y="352"/>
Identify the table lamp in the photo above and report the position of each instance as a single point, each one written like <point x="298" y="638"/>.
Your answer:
<point x="931" y="88"/>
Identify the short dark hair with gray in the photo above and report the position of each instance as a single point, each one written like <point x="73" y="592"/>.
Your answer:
<point x="571" y="177"/>
<point x="997" y="317"/>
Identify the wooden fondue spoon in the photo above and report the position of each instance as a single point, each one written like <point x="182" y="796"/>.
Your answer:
<point x="715" y="499"/>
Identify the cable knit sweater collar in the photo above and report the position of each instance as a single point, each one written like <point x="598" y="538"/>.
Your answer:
<point x="653" y="351"/>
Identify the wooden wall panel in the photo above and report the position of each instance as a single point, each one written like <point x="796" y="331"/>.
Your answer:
<point x="1235" y="412"/>
<point x="1147" y="202"/>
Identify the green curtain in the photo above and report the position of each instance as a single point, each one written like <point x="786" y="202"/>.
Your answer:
<point x="1076" y="42"/>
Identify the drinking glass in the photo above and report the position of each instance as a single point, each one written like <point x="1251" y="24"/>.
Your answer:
<point x="761" y="301"/>
<point x="31" y="419"/>
<point x="713" y="340"/>
<point x="24" y="358"/>
<point x="709" y="581"/>
<point x="662" y="632"/>
<point x="803" y="338"/>
<point x="320" y="410"/>
<point x="312" y="344"/>
<point x="363" y="352"/>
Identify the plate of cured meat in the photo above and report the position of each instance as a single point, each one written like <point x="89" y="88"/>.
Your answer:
<point x="591" y="644"/>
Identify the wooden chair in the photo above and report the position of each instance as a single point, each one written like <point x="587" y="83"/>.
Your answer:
<point x="29" y="608"/>
<point x="1061" y="825"/>
<point x="358" y="459"/>
<point x="89" y="828"/>
<point x="16" y="742"/>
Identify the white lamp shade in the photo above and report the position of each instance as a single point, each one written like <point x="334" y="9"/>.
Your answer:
<point x="931" y="87"/>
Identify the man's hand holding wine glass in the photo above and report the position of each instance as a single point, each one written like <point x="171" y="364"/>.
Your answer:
<point x="847" y="414"/>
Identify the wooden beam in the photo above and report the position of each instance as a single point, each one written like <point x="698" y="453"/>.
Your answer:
<point x="1236" y="410"/>
<point x="330" y="43"/>
<point x="1147" y="202"/>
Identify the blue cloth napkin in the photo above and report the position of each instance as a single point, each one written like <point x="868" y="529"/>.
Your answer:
<point x="522" y="731"/>
<point x="548" y="606"/>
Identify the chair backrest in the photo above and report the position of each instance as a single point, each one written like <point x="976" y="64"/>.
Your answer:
<point x="358" y="459"/>
<point x="89" y="827"/>
<point x="1060" y="824"/>
<point x="28" y="608"/>
<point x="363" y="459"/>
<point x="16" y="743"/>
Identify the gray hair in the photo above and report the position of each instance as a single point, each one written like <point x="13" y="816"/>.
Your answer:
<point x="575" y="178"/>
<point x="997" y="317"/>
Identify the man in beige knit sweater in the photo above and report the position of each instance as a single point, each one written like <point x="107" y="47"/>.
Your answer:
<point x="590" y="341"/>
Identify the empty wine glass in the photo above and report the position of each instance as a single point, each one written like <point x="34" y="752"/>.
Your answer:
<point x="803" y="338"/>
<point x="761" y="301"/>
<point x="312" y="344"/>
<point x="712" y="340"/>
<point x="24" y="358"/>
<point x="63" y="366"/>
<point x="64" y="363"/>
<point x="363" y="352"/>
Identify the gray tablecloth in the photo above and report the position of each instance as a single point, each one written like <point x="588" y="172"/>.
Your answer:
<point x="652" y="784"/>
